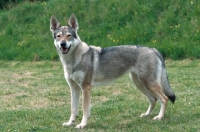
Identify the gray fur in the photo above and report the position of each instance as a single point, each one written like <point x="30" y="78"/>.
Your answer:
<point x="86" y="66"/>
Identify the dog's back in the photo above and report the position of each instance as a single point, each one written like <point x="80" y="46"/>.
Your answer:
<point x="145" y="62"/>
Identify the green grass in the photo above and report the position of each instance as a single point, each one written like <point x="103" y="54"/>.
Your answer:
<point x="34" y="97"/>
<point x="170" y="26"/>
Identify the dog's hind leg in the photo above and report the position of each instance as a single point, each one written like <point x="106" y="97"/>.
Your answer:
<point x="75" y="94"/>
<point x="156" y="91"/>
<point x="86" y="93"/>
<point x="140" y="86"/>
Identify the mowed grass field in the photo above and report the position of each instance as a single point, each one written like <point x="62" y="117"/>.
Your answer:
<point x="34" y="97"/>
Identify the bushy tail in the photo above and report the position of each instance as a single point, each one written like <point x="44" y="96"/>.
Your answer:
<point x="166" y="87"/>
<point x="164" y="79"/>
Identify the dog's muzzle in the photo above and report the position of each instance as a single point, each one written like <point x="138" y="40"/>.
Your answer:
<point x="64" y="49"/>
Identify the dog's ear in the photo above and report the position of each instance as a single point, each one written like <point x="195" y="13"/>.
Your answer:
<point x="73" y="22"/>
<point x="54" y="24"/>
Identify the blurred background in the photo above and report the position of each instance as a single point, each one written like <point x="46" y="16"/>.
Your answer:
<point x="173" y="27"/>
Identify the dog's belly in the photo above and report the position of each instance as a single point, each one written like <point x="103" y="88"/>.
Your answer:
<point x="100" y="78"/>
<point x="100" y="82"/>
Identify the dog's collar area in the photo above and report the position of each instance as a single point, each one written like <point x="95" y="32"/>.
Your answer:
<point x="65" y="50"/>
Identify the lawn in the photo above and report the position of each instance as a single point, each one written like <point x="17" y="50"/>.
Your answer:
<point x="35" y="97"/>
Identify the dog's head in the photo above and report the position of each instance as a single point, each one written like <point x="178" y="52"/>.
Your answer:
<point x="65" y="37"/>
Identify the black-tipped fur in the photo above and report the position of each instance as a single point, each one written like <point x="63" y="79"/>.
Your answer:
<point x="172" y="98"/>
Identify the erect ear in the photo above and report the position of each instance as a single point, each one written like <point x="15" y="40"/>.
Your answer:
<point x="72" y="22"/>
<point x="54" y="24"/>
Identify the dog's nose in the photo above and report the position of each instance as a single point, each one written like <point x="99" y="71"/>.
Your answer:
<point x="63" y="44"/>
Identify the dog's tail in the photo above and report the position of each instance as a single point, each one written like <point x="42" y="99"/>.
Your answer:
<point x="167" y="90"/>
<point x="166" y="86"/>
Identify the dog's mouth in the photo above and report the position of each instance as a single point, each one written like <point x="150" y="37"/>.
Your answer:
<point x="65" y="50"/>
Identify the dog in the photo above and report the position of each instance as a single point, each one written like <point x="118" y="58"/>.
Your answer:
<point x="86" y="66"/>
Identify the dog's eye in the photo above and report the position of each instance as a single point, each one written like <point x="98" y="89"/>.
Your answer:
<point x="69" y="35"/>
<point x="58" y="36"/>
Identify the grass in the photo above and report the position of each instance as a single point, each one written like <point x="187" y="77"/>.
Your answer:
<point x="34" y="97"/>
<point x="170" y="26"/>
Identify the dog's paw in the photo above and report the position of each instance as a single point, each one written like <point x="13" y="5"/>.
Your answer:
<point x="144" y="115"/>
<point x="158" y="118"/>
<point x="81" y="126"/>
<point x="69" y="123"/>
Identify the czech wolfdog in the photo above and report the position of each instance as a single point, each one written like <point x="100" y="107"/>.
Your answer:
<point x="86" y="66"/>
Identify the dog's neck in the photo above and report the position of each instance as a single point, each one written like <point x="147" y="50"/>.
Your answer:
<point x="71" y="61"/>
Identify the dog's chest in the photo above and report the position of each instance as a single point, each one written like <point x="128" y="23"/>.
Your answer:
<point x="76" y="75"/>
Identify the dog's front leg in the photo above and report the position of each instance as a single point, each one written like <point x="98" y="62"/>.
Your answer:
<point x="75" y="94"/>
<point x="86" y="106"/>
